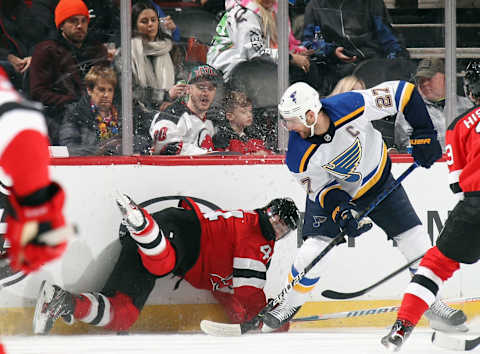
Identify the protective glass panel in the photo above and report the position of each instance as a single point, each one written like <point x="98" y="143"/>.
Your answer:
<point x="223" y="96"/>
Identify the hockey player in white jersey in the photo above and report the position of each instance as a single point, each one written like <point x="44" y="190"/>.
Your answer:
<point x="342" y="161"/>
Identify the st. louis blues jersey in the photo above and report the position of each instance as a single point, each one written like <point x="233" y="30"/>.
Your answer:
<point x="356" y="158"/>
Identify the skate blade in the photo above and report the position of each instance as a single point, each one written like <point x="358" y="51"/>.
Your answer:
<point x="39" y="318"/>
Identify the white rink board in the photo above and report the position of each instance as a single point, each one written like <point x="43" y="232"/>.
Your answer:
<point x="91" y="206"/>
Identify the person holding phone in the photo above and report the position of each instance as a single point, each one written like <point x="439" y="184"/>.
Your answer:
<point x="344" y="34"/>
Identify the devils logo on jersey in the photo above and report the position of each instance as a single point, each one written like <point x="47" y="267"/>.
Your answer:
<point x="161" y="134"/>
<point x="205" y="140"/>
<point x="222" y="284"/>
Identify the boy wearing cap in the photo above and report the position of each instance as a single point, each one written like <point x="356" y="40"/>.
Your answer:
<point x="60" y="64"/>
<point x="183" y="128"/>
<point x="430" y="78"/>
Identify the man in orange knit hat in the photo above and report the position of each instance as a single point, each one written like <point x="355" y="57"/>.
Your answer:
<point x="60" y="64"/>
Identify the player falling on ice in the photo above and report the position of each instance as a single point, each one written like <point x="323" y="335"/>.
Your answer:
<point x="458" y="241"/>
<point x="226" y="252"/>
<point x="342" y="162"/>
<point x="36" y="226"/>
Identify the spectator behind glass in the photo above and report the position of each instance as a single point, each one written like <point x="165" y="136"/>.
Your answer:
<point x="60" y="64"/>
<point x="16" y="40"/>
<point x="430" y="78"/>
<point x="92" y="125"/>
<point x="111" y="20"/>
<point x="183" y="128"/>
<point x="345" y="33"/>
<point x="348" y="83"/>
<point x="235" y="134"/>
<point x="44" y="24"/>
<point x="104" y="23"/>
<point x="248" y="30"/>
<point x="152" y="67"/>
<point x="169" y="25"/>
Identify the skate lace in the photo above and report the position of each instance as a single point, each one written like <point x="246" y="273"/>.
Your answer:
<point x="442" y="309"/>
<point x="283" y="312"/>
<point x="58" y="306"/>
<point x="401" y="329"/>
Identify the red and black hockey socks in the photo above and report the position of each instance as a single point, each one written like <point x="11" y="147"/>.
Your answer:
<point x="157" y="254"/>
<point x="434" y="269"/>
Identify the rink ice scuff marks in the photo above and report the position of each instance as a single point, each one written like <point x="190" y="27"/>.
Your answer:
<point x="327" y="341"/>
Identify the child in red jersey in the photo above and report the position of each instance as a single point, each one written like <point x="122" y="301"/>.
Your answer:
<point x="238" y="134"/>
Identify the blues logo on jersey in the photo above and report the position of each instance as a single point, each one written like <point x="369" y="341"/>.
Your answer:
<point x="343" y="166"/>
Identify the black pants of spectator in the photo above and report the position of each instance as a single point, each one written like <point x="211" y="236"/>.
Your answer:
<point x="313" y="77"/>
<point x="321" y="76"/>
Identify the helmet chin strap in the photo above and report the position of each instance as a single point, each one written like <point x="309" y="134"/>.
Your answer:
<point x="312" y="126"/>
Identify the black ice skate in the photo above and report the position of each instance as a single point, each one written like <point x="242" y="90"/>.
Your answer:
<point x="132" y="214"/>
<point x="277" y="317"/>
<point x="445" y="318"/>
<point x="399" y="333"/>
<point x="53" y="302"/>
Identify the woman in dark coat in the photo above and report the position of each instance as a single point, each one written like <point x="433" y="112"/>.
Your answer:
<point x="92" y="125"/>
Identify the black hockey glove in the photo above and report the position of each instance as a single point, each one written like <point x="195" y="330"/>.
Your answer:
<point x="344" y="217"/>
<point x="425" y="147"/>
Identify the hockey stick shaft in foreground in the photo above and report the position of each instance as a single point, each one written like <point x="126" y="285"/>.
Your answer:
<point x="371" y="311"/>
<point x="337" y="295"/>
<point x="347" y="314"/>
<point x="223" y="329"/>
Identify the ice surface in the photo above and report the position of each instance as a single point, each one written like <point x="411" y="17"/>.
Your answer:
<point x="338" y="341"/>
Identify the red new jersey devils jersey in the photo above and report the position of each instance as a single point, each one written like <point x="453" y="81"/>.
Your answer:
<point x="463" y="152"/>
<point x="233" y="261"/>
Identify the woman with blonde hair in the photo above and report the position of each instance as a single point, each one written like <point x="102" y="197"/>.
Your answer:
<point x="248" y="30"/>
<point x="348" y="83"/>
<point x="92" y="125"/>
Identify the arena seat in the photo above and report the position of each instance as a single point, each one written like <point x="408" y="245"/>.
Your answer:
<point x="193" y="23"/>
<point x="258" y="78"/>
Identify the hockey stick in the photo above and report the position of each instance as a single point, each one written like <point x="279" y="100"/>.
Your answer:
<point x="225" y="329"/>
<point x="371" y="311"/>
<point x="332" y="294"/>
<point x="346" y="314"/>
<point x="445" y="341"/>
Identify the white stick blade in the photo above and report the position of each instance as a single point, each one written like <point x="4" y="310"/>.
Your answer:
<point x="220" y="329"/>
<point x="445" y="341"/>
